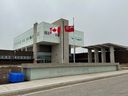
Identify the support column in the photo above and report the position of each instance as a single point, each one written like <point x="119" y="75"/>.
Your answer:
<point x="35" y="42"/>
<point x="103" y="55"/>
<point x="70" y="54"/>
<point x="89" y="56"/>
<point x="112" y="56"/>
<point x="60" y="52"/>
<point x="74" y="57"/>
<point x="26" y="49"/>
<point x="96" y="55"/>
<point x="21" y="49"/>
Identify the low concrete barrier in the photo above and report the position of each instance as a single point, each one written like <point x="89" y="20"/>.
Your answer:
<point x="40" y="71"/>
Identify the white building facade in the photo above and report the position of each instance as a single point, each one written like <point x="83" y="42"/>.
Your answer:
<point x="46" y="40"/>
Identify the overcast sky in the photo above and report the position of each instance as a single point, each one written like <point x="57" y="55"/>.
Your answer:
<point x="102" y="21"/>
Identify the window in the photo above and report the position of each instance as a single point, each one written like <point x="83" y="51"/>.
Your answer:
<point x="45" y="32"/>
<point x="30" y="37"/>
<point x="5" y="57"/>
<point x="2" y="57"/>
<point x="9" y="57"/>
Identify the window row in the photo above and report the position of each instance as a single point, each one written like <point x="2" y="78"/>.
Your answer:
<point x="25" y="39"/>
<point x="15" y="57"/>
<point x="79" y="39"/>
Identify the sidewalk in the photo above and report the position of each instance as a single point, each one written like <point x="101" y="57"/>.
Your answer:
<point x="44" y="84"/>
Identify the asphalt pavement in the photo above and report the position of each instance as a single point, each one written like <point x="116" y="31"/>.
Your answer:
<point x="114" y="86"/>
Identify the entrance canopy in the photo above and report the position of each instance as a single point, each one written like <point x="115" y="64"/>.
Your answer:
<point x="103" y="49"/>
<point x="107" y="45"/>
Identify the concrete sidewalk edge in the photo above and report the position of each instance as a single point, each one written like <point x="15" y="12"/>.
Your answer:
<point x="34" y="89"/>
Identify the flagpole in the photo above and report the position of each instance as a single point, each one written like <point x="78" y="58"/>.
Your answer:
<point x="74" y="44"/>
<point x="63" y="43"/>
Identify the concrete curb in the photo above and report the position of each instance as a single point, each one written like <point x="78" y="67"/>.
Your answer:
<point x="90" y="77"/>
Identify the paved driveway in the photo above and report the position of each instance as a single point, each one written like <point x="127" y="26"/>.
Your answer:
<point x="114" y="86"/>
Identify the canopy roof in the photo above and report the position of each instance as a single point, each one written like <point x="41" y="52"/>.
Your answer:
<point x="107" y="45"/>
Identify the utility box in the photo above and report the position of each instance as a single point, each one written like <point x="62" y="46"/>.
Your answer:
<point x="15" y="77"/>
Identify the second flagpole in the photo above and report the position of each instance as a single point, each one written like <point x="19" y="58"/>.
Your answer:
<point x="74" y="44"/>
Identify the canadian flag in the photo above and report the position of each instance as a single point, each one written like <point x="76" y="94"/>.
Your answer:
<point x="55" y="30"/>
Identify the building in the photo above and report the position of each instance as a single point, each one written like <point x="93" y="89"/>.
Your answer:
<point x="49" y="48"/>
<point x="104" y="53"/>
<point x="55" y="50"/>
<point x="15" y="57"/>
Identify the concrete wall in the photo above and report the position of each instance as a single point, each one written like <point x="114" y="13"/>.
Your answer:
<point x="53" y="70"/>
<point x="26" y="38"/>
<point x="61" y="51"/>
<point x="55" y="54"/>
